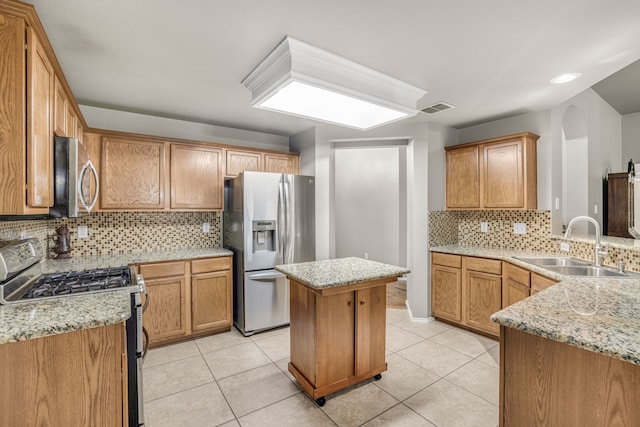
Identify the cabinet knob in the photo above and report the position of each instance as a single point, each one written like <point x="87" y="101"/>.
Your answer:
<point x="349" y="303"/>
<point x="361" y="302"/>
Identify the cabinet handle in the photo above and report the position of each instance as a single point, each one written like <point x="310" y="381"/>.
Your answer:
<point x="361" y="302"/>
<point x="349" y="303"/>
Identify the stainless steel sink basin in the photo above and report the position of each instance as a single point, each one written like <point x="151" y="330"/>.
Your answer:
<point x="586" y="271"/>
<point x="554" y="261"/>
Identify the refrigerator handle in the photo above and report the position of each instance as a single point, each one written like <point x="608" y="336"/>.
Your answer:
<point x="287" y="259"/>
<point x="281" y="220"/>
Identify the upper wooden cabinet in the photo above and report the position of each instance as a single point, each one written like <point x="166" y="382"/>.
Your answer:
<point x="132" y="174"/>
<point x="245" y="160"/>
<point x="196" y="177"/>
<point x="59" y="109"/>
<point x="497" y="173"/>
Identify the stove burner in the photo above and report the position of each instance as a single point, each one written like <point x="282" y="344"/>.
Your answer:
<point x="77" y="282"/>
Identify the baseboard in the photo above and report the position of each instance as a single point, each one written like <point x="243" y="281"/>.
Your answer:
<point x="417" y="319"/>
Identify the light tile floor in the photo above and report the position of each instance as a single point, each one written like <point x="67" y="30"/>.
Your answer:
<point x="438" y="376"/>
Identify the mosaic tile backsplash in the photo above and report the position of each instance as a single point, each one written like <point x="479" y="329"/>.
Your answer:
<point x="125" y="232"/>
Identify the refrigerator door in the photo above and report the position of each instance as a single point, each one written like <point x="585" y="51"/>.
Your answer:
<point x="266" y="300"/>
<point x="261" y="195"/>
<point x="298" y="229"/>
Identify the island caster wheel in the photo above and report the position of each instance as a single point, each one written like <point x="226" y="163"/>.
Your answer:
<point x="321" y="401"/>
<point x="377" y="377"/>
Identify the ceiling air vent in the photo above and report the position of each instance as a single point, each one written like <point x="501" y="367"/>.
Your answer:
<point x="437" y="107"/>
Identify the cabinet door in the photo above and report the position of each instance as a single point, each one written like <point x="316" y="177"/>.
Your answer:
<point x="240" y="161"/>
<point x="72" y="127"/>
<point x="446" y="292"/>
<point x="483" y="295"/>
<point x="40" y="89"/>
<point x="512" y="292"/>
<point x="371" y="309"/>
<point x="59" y="109"/>
<point x="196" y="177"/>
<point x="539" y="283"/>
<point x="211" y="301"/>
<point x="165" y="316"/>
<point x="280" y="163"/>
<point x="618" y="205"/>
<point x="463" y="178"/>
<point x="132" y="174"/>
<point x="335" y="339"/>
<point x="503" y="184"/>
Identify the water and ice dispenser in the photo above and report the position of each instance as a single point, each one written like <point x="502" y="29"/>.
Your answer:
<point x="264" y="236"/>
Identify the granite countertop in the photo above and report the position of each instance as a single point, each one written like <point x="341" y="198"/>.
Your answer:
<point x="599" y="315"/>
<point x="50" y="317"/>
<point x="339" y="272"/>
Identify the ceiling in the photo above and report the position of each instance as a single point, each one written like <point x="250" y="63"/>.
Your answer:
<point x="186" y="60"/>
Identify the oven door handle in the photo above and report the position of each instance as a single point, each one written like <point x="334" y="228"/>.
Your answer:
<point x="146" y="343"/>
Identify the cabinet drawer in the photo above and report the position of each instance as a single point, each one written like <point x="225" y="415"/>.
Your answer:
<point x="150" y="271"/>
<point x="447" y="260"/>
<point x="539" y="283"/>
<point x="517" y="274"/>
<point x="210" y="264"/>
<point x="491" y="266"/>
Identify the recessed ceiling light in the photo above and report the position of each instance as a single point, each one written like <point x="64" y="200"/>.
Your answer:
<point x="303" y="80"/>
<point x="565" y="78"/>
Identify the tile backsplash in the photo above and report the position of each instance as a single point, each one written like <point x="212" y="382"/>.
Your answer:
<point x="125" y="232"/>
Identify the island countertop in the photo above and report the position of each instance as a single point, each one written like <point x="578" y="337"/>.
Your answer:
<point x="609" y="323"/>
<point x="339" y="272"/>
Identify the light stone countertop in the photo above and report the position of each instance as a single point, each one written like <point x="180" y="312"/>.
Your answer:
<point x="339" y="272"/>
<point x="50" y="317"/>
<point x="610" y="319"/>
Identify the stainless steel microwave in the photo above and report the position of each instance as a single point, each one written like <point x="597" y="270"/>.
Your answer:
<point x="76" y="183"/>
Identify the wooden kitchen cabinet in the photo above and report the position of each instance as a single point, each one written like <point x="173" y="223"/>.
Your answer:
<point x="280" y="163"/>
<point x="618" y="205"/>
<point x="196" y="177"/>
<point x="59" y="109"/>
<point x="71" y="379"/>
<point x="497" y="173"/>
<point x="211" y="294"/>
<point x="337" y="335"/>
<point x="516" y="284"/>
<point x="244" y="160"/>
<point x="483" y="293"/>
<point x="187" y="299"/>
<point x="132" y="174"/>
<point x="446" y="286"/>
<point x="540" y="283"/>
<point x="166" y="316"/>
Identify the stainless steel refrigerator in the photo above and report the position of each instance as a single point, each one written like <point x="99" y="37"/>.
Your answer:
<point x="269" y="220"/>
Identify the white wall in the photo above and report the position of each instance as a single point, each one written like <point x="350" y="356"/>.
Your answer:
<point x="574" y="176"/>
<point x="102" y="118"/>
<point x="305" y="144"/>
<point x="630" y="140"/>
<point x="538" y="123"/>
<point x="368" y="213"/>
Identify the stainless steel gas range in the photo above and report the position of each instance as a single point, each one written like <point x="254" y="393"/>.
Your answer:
<point x="23" y="279"/>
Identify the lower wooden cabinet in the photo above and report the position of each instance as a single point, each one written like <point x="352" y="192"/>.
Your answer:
<point x="187" y="298"/>
<point x="72" y="379"/>
<point x="337" y="339"/>
<point x="468" y="290"/>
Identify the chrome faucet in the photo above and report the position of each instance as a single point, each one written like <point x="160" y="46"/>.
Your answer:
<point x="599" y="250"/>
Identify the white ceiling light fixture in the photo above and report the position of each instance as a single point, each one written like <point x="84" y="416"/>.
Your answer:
<point x="303" y="80"/>
<point x="565" y="78"/>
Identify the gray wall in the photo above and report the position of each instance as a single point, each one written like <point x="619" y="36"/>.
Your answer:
<point x="630" y="140"/>
<point x="102" y="118"/>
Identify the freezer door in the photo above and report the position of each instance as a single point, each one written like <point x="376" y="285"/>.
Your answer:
<point x="261" y="198"/>
<point x="299" y="242"/>
<point x="266" y="296"/>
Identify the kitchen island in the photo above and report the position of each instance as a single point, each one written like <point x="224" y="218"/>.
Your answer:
<point x="570" y="355"/>
<point x="338" y="322"/>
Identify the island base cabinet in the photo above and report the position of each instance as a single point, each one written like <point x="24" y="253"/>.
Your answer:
<point x="72" y="379"/>
<point x="337" y="339"/>
<point x="549" y="383"/>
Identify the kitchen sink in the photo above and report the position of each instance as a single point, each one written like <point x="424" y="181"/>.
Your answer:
<point x="559" y="261"/>
<point x="586" y="271"/>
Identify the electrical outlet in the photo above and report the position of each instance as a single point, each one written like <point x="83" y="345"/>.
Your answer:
<point x="595" y="209"/>
<point x="564" y="246"/>
<point x="83" y="232"/>
<point x="519" y="228"/>
<point x="206" y="227"/>
<point x="484" y="227"/>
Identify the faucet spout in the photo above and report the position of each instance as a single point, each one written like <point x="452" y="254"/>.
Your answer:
<point x="599" y="250"/>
